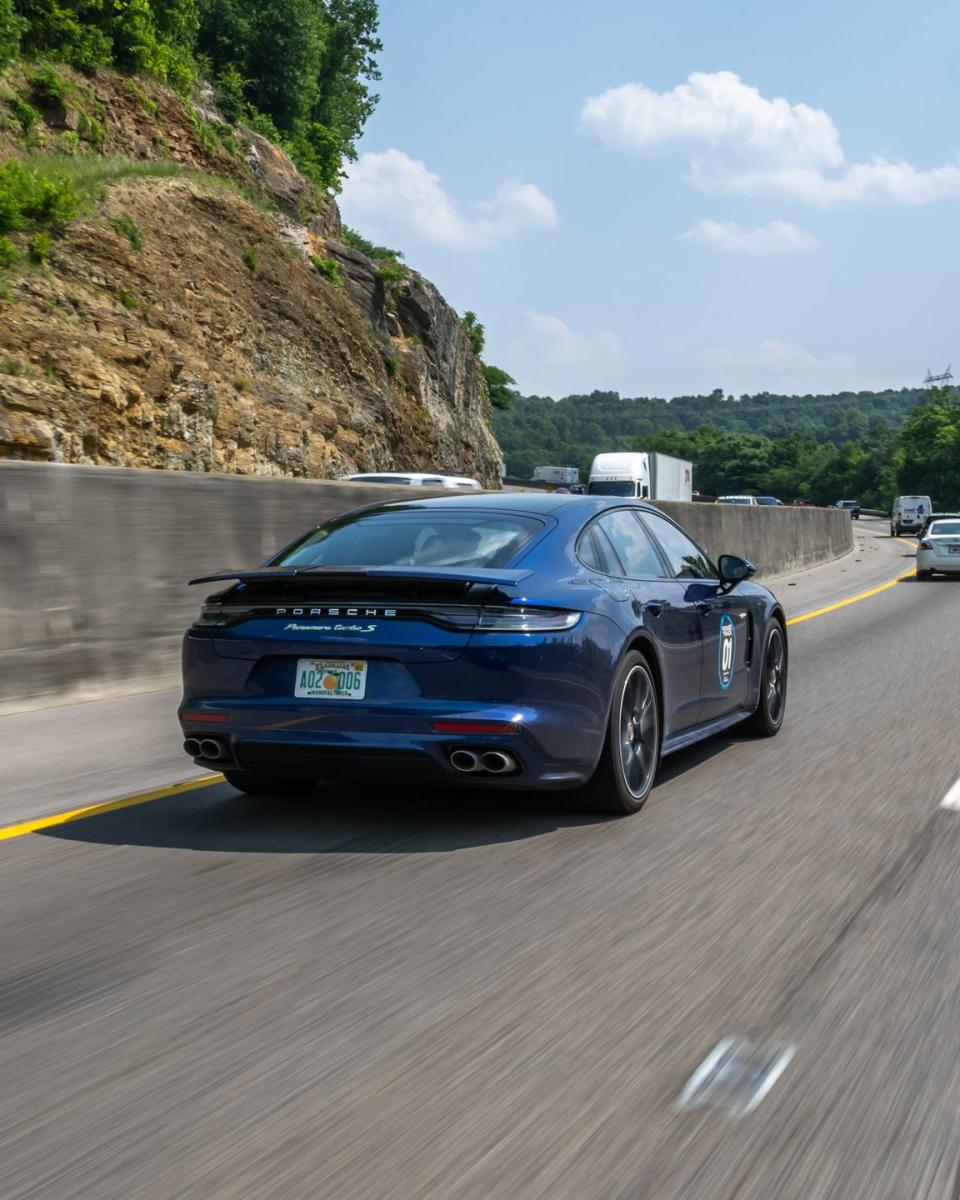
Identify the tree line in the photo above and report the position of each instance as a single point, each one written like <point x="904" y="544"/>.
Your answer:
<point x="867" y="445"/>
<point x="297" y="70"/>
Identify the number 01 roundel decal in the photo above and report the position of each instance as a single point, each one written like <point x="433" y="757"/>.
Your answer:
<point x="728" y="645"/>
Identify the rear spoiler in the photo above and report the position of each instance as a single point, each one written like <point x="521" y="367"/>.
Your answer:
<point x="494" y="577"/>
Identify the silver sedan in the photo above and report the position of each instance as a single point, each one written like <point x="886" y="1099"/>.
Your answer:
<point x="939" y="549"/>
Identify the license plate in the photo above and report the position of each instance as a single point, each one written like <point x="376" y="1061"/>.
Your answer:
<point x="330" y="679"/>
<point x="953" y="549"/>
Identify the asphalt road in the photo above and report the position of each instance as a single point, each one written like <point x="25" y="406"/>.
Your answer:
<point x="458" y="998"/>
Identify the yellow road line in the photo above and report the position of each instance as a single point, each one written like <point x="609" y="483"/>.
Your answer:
<point x="94" y="810"/>
<point x="818" y="612"/>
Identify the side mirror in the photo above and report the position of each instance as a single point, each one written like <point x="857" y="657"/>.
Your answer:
<point x="734" y="569"/>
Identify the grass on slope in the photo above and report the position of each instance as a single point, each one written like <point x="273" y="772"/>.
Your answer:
<point x="46" y="191"/>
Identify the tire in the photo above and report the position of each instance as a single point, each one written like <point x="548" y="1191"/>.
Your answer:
<point x="255" y="784"/>
<point x="631" y="750"/>
<point x="924" y="574"/>
<point x="767" y="717"/>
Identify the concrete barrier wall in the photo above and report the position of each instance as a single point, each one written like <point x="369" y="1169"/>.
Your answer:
<point x="775" y="540"/>
<point x="94" y="561"/>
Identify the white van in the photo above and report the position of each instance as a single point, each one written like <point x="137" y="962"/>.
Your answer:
<point x="418" y="479"/>
<point x="909" y="514"/>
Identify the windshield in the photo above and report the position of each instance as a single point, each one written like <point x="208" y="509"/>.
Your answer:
<point x="414" y="538"/>
<point x="612" y="487"/>
<point x="734" y="500"/>
<point x="944" y="527"/>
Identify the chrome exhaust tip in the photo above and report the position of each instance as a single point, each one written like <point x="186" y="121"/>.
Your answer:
<point x="464" y="761"/>
<point x="497" y="762"/>
<point x="210" y="749"/>
<point x="192" y="747"/>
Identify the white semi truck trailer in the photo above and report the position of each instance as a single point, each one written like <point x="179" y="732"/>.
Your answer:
<point x="644" y="475"/>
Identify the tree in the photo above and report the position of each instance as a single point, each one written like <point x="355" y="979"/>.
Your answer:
<point x="499" y="385"/>
<point x="930" y="441"/>
<point x="10" y="27"/>
<point x="475" y="331"/>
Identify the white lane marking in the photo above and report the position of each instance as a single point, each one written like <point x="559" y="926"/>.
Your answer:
<point x="735" y="1076"/>
<point x="952" y="798"/>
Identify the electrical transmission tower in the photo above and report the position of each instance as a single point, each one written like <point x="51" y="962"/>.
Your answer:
<point x="943" y="379"/>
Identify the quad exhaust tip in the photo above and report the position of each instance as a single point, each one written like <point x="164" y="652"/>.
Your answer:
<point x="204" y="748"/>
<point x="490" y="762"/>
<point x="497" y="762"/>
<point x="465" y="761"/>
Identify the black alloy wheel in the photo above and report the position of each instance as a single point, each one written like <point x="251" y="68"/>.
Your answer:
<point x="631" y="753"/>
<point x="767" y="717"/>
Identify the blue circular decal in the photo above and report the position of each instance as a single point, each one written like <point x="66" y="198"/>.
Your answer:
<point x="727" y="651"/>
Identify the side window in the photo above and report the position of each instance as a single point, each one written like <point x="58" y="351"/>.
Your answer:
<point x="632" y="545"/>
<point x="686" y="560"/>
<point x="595" y="552"/>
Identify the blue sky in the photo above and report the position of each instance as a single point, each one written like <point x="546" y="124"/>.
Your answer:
<point x="667" y="198"/>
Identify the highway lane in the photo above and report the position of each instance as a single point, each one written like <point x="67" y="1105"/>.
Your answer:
<point x="458" y="997"/>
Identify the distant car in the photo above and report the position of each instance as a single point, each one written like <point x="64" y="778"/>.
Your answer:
<point x="771" y="500"/>
<point x="418" y="479"/>
<point x="503" y="640"/>
<point x="736" y="500"/>
<point x="852" y="507"/>
<point x="578" y="489"/>
<point x="939" y="548"/>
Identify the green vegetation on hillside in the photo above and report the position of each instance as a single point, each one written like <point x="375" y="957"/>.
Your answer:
<point x="499" y="383"/>
<point x="297" y="70"/>
<point x="868" y="445"/>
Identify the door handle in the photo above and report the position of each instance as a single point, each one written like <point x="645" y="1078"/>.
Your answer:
<point x="655" y="607"/>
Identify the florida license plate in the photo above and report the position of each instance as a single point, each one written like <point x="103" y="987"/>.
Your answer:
<point x="954" y="549"/>
<point x="330" y="679"/>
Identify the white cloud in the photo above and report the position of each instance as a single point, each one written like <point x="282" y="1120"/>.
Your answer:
<point x="393" y="195"/>
<point x="776" y="237"/>
<point x="560" y="346"/>
<point x="551" y="358"/>
<point x="779" y="358"/>
<point x="738" y="141"/>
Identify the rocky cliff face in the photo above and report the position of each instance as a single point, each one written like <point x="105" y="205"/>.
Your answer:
<point x="181" y="324"/>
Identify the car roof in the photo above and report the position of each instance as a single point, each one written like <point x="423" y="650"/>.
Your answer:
<point x="534" y="503"/>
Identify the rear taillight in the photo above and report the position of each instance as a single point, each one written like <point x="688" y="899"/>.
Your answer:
<point x="925" y="545"/>
<point x="526" y="620"/>
<point x="211" y="614"/>
<point x="508" y="618"/>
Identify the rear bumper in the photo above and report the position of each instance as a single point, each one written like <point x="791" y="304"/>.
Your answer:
<point x="946" y="564"/>
<point x="279" y="748"/>
<point x="553" y="690"/>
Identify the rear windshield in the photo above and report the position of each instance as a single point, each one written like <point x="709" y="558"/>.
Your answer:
<point x="734" y="500"/>
<point x="612" y="487"/>
<point x="414" y="539"/>
<point x="947" y="527"/>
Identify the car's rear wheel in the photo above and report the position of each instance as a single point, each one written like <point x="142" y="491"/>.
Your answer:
<point x="924" y="574"/>
<point x="767" y="717"/>
<point x="255" y="783"/>
<point x="631" y="752"/>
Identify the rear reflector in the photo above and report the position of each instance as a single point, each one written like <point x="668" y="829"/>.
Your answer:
<point x="204" y="718"/>
<point x="476" y="727"/>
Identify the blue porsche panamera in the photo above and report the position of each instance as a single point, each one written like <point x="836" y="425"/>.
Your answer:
<point x="508" y="640"/>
